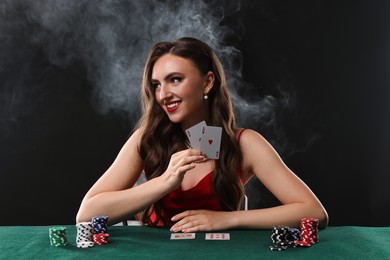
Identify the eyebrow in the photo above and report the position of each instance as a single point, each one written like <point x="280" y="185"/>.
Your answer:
<point x="167" y="76"/>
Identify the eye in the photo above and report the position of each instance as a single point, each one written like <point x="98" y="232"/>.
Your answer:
<point x="175" y="80"/>
<point x="155" y="85"/>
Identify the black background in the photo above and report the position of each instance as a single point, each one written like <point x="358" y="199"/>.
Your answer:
<point x="331" y="57"/>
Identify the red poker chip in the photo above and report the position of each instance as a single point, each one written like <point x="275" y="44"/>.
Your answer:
<point x="101" y="238"/>
<point x="302" y="243"/>
<point x="309" y="232"/>
<point x="310" y="220"/>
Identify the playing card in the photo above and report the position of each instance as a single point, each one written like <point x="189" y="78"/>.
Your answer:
<point x="183" y="236"/>
<point x="194" y="133"/>
<point x="217" y="236"/>
<point x="211" y="141"/>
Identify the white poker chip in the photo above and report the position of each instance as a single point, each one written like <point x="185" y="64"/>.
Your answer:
<point x="85" y="244"/>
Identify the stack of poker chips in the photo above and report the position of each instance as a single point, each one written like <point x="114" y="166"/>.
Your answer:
<point x="284" y="237"/>
<point x="100" y="237"/>
<point x="58" y="236"/>
<point x="309" y="232"/>
<point x="84" y="235"/>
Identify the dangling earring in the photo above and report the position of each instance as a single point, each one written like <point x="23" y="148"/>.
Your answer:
<point x="205" y="97"/>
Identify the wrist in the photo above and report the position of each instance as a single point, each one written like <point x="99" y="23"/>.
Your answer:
<point x="164" y="184"/>
<point x="233" y="220"/>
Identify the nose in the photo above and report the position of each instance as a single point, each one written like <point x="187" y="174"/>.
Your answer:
<point x="164" y="92"/>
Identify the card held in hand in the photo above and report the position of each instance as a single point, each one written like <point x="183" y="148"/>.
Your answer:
<point x="194" y="134"/>
<point x="210" y="142"/>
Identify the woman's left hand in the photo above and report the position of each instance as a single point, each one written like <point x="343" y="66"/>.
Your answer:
<point x="200" y="220"/>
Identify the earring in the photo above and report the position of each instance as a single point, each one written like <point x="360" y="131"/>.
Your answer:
<point x="205" y="97"/>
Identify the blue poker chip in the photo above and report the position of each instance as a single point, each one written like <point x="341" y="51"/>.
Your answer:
<point x="99" y="224"/>
<point x="294" y="234"/>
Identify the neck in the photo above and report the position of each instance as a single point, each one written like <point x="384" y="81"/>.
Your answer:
<point x="191" y="123"/>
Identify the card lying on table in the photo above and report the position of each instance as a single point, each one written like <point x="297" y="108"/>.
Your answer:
<point x="217" y="236"/>
<point x="183" y="236"/>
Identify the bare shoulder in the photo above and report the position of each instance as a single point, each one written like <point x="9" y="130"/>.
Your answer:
<point x="250" y="138"/>
<point x="135" y="138"/>
<point x="256" y="150"/>
<point x="137" y="134"/>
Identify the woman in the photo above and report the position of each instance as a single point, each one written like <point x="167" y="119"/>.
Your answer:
<point x="184" y="84"/>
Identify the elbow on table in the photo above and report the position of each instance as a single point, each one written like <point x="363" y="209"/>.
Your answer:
<point x="82" y="216"/>
<point x="79" y="218"/>
<point x="323" y="217"/>
<point x="317" y="211"/>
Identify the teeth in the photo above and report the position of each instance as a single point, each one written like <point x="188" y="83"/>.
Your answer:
<point x="173" y="105"/>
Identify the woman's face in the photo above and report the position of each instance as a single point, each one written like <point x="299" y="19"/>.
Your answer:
<point x="180" y="88"/>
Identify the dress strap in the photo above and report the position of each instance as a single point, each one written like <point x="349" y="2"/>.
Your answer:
<point x="239" y="134"/>
<point x="240" y="173"/>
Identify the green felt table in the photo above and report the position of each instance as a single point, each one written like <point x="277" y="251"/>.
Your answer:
<point x="140" y="242"/>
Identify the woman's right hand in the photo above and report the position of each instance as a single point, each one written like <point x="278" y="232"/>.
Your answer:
<point x="180" y="163"/>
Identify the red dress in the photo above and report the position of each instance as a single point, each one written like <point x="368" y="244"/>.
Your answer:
<point x="200" y="196"/>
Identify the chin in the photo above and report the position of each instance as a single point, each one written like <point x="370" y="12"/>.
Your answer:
<point x="174" y="120"/>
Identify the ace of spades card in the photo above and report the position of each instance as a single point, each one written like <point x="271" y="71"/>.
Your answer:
<point x="210" y="142"/>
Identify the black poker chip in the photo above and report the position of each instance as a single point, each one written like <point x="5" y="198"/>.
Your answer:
<point x="278" y="248"/>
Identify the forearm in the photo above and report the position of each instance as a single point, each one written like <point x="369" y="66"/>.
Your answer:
<point x="118" y="205"/>
<point x="285" y="215"/>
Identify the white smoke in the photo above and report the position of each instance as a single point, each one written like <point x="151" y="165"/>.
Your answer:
<point x="112" y="38"/>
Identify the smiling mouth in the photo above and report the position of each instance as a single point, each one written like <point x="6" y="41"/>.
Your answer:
<point x="172" y="106"/>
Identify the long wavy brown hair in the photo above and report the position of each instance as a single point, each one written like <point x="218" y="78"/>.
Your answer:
<point x="161" y="138"/>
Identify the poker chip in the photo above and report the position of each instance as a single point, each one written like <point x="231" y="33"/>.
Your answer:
<point x="278" y="248"/>
<point x="294" y="234"/>
<point x="101" y="239"/>
<point x="57" y="236"/>
<point x="309" y="232"/>
<point x="99" y="224"/>
<point x="279" y="234"/>
<point x="283" y="237"/>
<point x="85" y="244"/>
<point x="84" y="235"/>
<point x="302" y="243"/>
